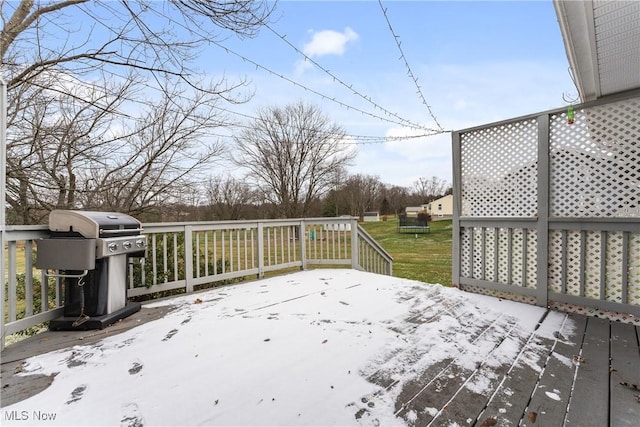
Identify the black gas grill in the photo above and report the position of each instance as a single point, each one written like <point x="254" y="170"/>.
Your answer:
<point x="90" y="252"/>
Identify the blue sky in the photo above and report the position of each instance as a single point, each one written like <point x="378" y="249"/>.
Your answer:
<point x="476" y="62"/>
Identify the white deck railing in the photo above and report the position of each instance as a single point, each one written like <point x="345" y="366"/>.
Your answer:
<point x="189" y="256"/>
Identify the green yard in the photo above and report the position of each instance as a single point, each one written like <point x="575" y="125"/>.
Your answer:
<point x="423" y="257"/>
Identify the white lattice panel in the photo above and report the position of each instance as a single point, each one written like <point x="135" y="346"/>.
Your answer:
<point x="478" y="262"/>
<point x="499" y="170"/>
<point x="490" y="256"/>
<point x="503" y="260"/>
<point x="532" y="259"/>
<point x="594" y="172"/>
<point x="593" y="261"/>
<point x="465" y="255"/>
<point x="595" y="162"/>
<point x="614" y="267"/>
<point x="554" y="279"/>
<point x="573" y="263"/>
<point x="516" y="257"/>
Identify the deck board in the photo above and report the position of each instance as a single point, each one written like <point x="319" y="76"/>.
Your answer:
<point x="550" y="398"/>
<point x="508" y="404"/>
<point x="432" y="392"/>
<point x="625" y="375"/>
<point x="469" y="402"/>
<point x="589" y="404"/>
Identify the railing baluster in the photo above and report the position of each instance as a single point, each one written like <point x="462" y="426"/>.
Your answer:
<point x="524" y="257"/>
<point x="275" y="245"/>
<point x="564" y="264"/>
<point x="215" y="253"/>
<point x="289" y="244"/>
<point x="44" y="292"/>
<point x="267" y="232"/>
<point x="238" y="264"/>
<point x="483" y="252"/>
<point x="246" y="259"/>
<point x="333" y="241"/>
<point x="224" y="258"/>
<point x="254" y="252"/>
<point x="154" y="267"/>
<point x="603" y="264"/>
<point x="206" y="253"/>
<point x="496" y="253"/>
<point x="197" y="254"/>
<point x="295" y="242"/>
<point x="13" y="301"/>
<point x="260" y="251"/>
<point x="230" y="250"/>
<point x="625" y="267"/>
<point x="281" y="231"/>
<point x="510" y="256"/>
<point x="315" y="242"/>
<point x="165" y="251"/>
<point x="582" y="264"/>
<point x="175" y="257"/>
<point x="28" y="277"/>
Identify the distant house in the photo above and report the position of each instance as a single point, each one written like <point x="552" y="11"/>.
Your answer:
<point x="371" y="216"/>
<point x="440" y="208"/>
<point x="412" y="211"/>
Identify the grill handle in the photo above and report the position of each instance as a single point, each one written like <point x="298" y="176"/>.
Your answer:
<point x="120" y="230"/>
<point x="72" y="276"/>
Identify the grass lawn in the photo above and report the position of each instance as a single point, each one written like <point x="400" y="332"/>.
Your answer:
<point x="424" y="257"/>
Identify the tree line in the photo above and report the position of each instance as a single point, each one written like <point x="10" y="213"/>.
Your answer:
<point x="106" y="112"/>
<point x="225" y="197"/>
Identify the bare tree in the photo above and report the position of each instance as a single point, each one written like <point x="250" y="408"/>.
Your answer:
<point x="53" y="141"/>
<point x="292" y="155"/>
<point x="80" y="36"/>
<point x="361" y="193"/>
<point x="161" y="157"/>
<point x="74" y="70"/>
<point x="397" y="197"/>
<point x="228" y="197"/>
<point x="429" y="189"/>
<point x="67" y="153"/>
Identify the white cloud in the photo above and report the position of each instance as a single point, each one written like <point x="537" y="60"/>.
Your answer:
<point x="329" y="42"/>
<point x="460" y="105"/>
<point x="417" y="149"/>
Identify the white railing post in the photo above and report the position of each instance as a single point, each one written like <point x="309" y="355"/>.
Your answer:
<point x="303" y="245"/>
<point x="188" y="258"/>
<point x="355" y="262"/>
<point x="260" y="250"/>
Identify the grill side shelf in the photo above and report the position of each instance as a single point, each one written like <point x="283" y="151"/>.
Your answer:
<point x="66" y="254"/>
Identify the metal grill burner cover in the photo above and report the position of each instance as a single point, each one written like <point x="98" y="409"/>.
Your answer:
<point x="90" y="251"/>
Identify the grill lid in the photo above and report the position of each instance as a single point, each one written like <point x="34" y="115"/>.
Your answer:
<point x="92" y="224"/>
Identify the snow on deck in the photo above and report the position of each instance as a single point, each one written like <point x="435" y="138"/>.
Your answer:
<point x="322" y="347"/>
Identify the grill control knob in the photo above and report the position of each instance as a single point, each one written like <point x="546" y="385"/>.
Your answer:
<point x="140" y="243"/>
<point x="127" y="245"/>
<point x="113" y="247"/>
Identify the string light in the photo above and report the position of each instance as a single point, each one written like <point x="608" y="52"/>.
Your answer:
<point x="409" y="72"/>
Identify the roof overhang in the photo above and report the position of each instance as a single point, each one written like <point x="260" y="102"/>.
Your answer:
<point x="602" y="41"/>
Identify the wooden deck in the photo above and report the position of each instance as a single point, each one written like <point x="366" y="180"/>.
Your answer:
<point x="570" y="370"/>
<point x="586" y="375"/>
<point x="16" y="388"/>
